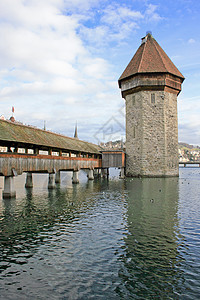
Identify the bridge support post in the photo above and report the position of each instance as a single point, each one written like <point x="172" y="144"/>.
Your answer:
<point x="57" y="177"/>
<point x="29" y="180"/>
<point x="99" y="173"/>
<point x="9" y="188"/>
<point x="95" y="173"/>
<point x="105" y="173"/>
<point x="75" y="177"/>
<point x="122" y="173"/>
<point x="51" y="183"/>
<point x="91" y="175"/>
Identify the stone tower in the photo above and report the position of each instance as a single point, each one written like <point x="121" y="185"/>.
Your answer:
<point x="150" y="85"/>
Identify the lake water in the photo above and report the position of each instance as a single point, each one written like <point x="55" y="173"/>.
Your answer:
<point x="116" y="239"/>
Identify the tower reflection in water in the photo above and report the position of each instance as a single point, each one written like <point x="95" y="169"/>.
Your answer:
<point x="151" y="259"/>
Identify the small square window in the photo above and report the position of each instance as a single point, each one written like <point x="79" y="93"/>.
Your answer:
<point x="153" y="98"/>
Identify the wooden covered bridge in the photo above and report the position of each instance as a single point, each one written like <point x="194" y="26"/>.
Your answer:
<point x="32" y="150"/>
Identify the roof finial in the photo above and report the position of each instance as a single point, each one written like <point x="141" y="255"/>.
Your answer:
<point x="44" y="124"/>
<point x="149" y="32"/>
<point x="76" y="132"/>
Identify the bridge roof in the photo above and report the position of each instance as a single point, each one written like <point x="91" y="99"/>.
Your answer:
<point x="11" y="132"/>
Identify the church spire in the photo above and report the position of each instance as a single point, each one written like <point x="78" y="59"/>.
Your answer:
<point x="76" y="132"/>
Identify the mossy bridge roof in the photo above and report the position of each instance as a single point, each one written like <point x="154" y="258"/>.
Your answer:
<point x="16" y="133"/>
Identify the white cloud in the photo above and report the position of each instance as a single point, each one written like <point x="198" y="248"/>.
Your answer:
<point x="116" y="15"/>
<point x="189" y="124"/>
<point x="189" y="133"/>
<point x="52" y="59"/>
<point x="151" y="14"/>
<point x="95" y="68"/>
<point x="115" y="23"/>
<point x="191" y="41"/>
<point x="39" y="43"/>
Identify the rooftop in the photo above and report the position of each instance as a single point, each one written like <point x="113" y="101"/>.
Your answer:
<point x="150" y="58"/>
<point x="29" y="135"/>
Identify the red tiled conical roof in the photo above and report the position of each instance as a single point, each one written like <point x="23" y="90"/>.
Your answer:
<point x="150" y="58"/>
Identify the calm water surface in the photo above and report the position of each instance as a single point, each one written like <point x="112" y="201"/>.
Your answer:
<point x="122" y="239"/>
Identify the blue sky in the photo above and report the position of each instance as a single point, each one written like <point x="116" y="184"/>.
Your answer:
<point x="60" y="61"/>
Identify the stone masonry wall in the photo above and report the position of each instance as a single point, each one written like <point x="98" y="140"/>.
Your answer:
<point x="151" y="134"/>
<point x="134" y="134"/>
<point x="171" y="132"/>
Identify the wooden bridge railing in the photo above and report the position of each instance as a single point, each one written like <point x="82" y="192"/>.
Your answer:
<point x="185" y="163"/>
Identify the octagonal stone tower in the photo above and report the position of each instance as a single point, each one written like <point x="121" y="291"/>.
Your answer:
<point x="150" y="85"/>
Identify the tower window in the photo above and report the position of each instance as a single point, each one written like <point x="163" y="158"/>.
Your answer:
<point x="134" y="132"/>
<point x="153" y="98"/>
<point x="133" y="100"/>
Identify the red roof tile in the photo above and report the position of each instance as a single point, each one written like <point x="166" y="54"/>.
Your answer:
<point x="150" y="58"/>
